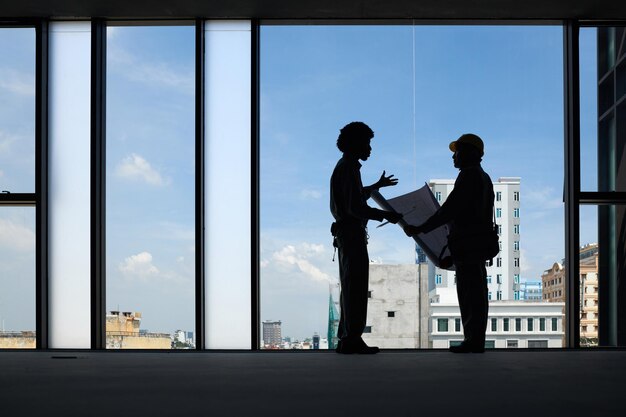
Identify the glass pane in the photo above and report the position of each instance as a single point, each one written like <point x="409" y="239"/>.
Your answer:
<point x="314" y="80"/>
<point x="603" y="239"/>
<point x="418" y="88"/>
<point x="69" y="187"/>
<point x="17" y="110"/>
<point x="150" y="182"/>
<point x="603" y="108"/>
<point x="17" y="278"/>
<point x="227" y="182"/>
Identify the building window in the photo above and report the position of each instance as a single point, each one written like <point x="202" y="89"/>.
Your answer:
<point x="505" y="325"/>
<point x="499" y="278"/>
<point x="488" y="279"/>
<point x="511" y="343"/>
<point x="516" y="295"/>
<point x="498" y="212"/>
<point x="516" y="195"/>
<point x="368" y="329"/>
<point x="489" y="295"/>
<point x="499" y="295"/>
<point x="516" y="229"/>
<point x="516" y="212"/>
<point x="438" y="279"/>
<point x="500" y="229"/>
<point x="516" y="262"/>
<point x="529" y="325"/>
<point x="438" y="196"/>
<point x="537" y="344"/>
<point x="457" y="325"/>
<point x="498" y="195"/>
<point x="391" y="314"/>
<point x="516" y="245"/>
<point x="369" y="294"/>
<point x="442" y="325"/>
<point x="555" y="324"/>
<point x="542" y="324"/>
<point x="518" y="325"/>
<point x="516" y="278"/>
<point x="500" y="244"/>
<point x="498" y="261"/>
<point x="494" y="325"/>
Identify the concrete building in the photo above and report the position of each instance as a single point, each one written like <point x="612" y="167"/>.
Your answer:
<point x="503" y="277"/>
<point x="511" y="324"/>
<point x="531" y="291"/>
<point x="589" y="295"/>
<point x="553" y="281"/>
<point x="397" y="315"/>
<point x="272" y="334"/>
<point x="18" y="340"/>
<point x="122" y="332"/>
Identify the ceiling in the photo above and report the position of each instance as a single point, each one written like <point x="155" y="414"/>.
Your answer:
<point x="318" y="9"/>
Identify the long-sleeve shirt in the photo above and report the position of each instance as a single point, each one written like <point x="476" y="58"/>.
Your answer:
<point x="348" y="197"/>
<point x="469" y="205"/>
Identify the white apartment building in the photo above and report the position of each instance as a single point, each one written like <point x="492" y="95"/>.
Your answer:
<point x="511" y="324"/>
<point x="503" y="277"/>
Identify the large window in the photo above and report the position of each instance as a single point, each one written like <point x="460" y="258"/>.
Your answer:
<point x="17" y="177"/>
<point x="602" y="53"/>
<point x="150" y="187"/>
<point x="418" y="87"/>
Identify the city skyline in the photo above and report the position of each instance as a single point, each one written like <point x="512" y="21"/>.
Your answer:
<point x="417" y="86"/>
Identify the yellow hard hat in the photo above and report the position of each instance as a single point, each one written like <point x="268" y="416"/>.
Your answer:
<point x="470" y="139"/>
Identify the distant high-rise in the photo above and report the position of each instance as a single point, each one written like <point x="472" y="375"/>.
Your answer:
<point x="333" y="321"/>
<point x="316" y="341"/>
<point x="272" y="333"/>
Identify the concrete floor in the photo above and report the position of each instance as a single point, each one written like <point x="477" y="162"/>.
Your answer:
<point x="392" y="383"/>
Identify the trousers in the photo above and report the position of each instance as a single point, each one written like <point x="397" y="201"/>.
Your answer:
<point x="354" y="277"/>
<point x="471" y="287"/>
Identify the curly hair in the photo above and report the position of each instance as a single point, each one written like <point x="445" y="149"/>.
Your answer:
<point x="352" y="134"/>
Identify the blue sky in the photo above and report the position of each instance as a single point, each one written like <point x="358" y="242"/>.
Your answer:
<point x="417" y="87"/>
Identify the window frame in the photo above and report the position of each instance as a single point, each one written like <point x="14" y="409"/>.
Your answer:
<point x="573" y="196"/>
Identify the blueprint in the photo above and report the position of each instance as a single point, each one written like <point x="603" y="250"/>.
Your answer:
<point x="416" y="207"/>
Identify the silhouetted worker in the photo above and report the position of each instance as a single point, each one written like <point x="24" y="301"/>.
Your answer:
<point x="349" y="208"/>
<point x="467" y="209"/>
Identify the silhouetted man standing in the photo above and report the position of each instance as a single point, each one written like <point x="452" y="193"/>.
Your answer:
<point x="349" y="208"/>
<point x="469" y="210"/>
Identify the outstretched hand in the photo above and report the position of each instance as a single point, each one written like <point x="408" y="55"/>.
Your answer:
<point x="386" y="181"/>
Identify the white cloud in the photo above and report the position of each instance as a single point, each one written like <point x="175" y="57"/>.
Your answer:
<point x="15" y="236"/>
<point x="310" y="194"/>
<point x="139" y="266"/>
<point x="17" y="82"/>
<point x="152" y="73"/>
<point x="524" y="263"/>
<point x="135" y="167"/>
<point x="302" y="258"/>
<point x="543" y="198"/>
